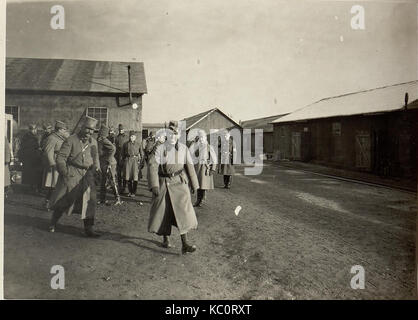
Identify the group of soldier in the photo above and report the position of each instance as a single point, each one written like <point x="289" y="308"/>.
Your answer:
<point x="75" y="165"/>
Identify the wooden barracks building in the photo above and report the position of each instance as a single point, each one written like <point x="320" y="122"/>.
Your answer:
<point x="44" y="90"/>
<point x="372" y="131"/>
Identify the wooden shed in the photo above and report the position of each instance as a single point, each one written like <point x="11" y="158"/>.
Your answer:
<point x="373" y="131"/>
<point x="42" y="91"/>
<point x="213" y="119"/>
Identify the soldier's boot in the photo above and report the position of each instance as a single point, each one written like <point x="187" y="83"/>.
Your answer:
<point x="186" y="248"/>
<point x="134" y="187"/>
<point x="228" y="182"/>
<point x="199" y="199"/>
<point x="225" y="181"/>
<point x="166" y="242"/>
<point x="88" y="228"/>
<point x="54" y="220"/>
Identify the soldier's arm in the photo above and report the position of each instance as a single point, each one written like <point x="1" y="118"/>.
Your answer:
<point x="191" y="171"/>
<point x="62" y="157"/>
<point x="213" y="158"/>
<point x="154" y="180"/>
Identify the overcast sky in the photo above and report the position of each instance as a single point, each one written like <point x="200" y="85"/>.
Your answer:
<point x="251" y="58"/>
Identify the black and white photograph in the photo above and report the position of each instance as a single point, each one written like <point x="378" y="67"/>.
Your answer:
<point x="210" y="150"/>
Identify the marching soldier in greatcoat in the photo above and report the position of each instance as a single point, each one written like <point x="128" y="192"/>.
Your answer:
<point x="132" y="155"/>
<point x="205" y="167"/>
<point x="51" y="147"/>
<point x="120" y="140"/>
<point x="227" y="150"/>
<point x="106" y="151"/>
<point x="78" y="166"/>
<point x="171" y="173"/>
<point x="31" y="156"/>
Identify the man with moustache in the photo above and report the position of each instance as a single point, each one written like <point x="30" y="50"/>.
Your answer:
<point x="77" y="165"/>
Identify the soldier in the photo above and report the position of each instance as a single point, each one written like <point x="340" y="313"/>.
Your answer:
<point x="120" y="140"/>
<point x="78" y="165"/>
<point x="132" y="155"/>
<point x="106" y="152"/>
<point x="30" y="155"/>
<point x="171" y="171"/>
<point x="206" y="166"/>
<point x="52" y="146"/>
<point x="47" y="132"/>
<point x="227" y="150"/>
<point x="112" y="135"/>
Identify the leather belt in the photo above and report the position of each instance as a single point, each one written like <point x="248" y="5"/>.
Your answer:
<point x="170" y="175"/>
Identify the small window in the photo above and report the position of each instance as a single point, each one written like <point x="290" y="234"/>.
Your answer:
<point x="336" y="128"/>
<point x="100" y="114"/>
<point x="14" y="111"/>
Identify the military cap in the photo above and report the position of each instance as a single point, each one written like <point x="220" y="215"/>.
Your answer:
<point x="90" y="122"/>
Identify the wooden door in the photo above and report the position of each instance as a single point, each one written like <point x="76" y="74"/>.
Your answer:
<point x="363" y="151"/>
<point x="296" y="142"/>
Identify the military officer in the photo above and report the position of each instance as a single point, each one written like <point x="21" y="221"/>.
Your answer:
<point x="171" y="173"/>
<point x="205" y="167"/>
<point x="106" y="152"/>
<point x="227" y="150"/>
<point x="77" y="165"/>
<point x="132" y="155"/>
<point x="120" y="140"/>
<point x="51" y="147"/>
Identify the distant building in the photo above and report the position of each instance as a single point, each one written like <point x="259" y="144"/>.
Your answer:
<point x="267" y="127"/>
<point x="44" y="90"/>
<point x="373" y="131"/>
<point x="213" y="119"/>
<point x="151" y="127"/>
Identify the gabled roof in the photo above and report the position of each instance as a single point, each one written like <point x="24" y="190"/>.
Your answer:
<point x="378" y="100"/>
<point x="193" y="120"/>
<point x="74" y="75"/>
<point x="261" y="123"/>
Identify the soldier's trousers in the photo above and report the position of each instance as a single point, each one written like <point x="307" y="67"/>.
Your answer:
<point x="227" y="180"/>
<point x="121" y="181"/>
<point x="108" y="176"/>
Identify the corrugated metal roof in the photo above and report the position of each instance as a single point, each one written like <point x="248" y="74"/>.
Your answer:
<point x="261" y="123"/>
<point x="193" y="120"/>
<point x="74" y="75"/>
<point x="384" y="99"/>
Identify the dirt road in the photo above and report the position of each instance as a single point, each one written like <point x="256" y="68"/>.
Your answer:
<point x="296" y="237"/>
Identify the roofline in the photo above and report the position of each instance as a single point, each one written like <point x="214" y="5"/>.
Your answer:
<point x="72" y="92"/>
<point x="346" y="115"/>
<point x="362" y="91"/>
<point x="347" y="94"/>
<point x="275" y="116"/>
<point x="76" y="59"/>
<point x="210" y="112"/>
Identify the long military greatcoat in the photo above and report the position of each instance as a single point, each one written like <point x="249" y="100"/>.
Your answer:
<point x="30" y="155"/>
<point x="227" y="152"/>
<point x="76" y="187"/>
<point x="52" y="146"/>
<point x="120" y="141"/>
<point x="207" y="159"/>
<point x="132" y="154"/>
<point x="173" y="205"/>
